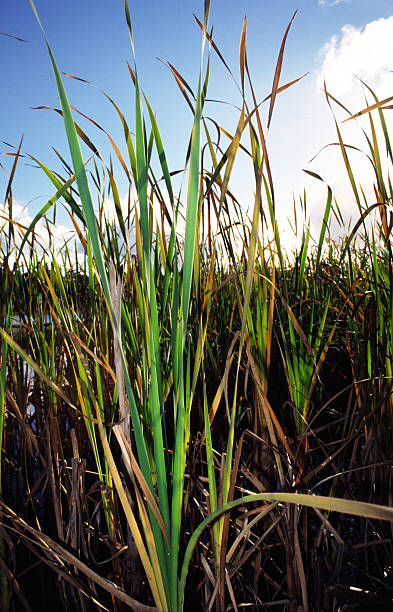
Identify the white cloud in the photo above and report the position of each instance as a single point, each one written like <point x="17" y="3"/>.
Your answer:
<point x="331" y="2"/>
<point x="59" y="234"/>
<point x="109" y="208"/>
<point x="366" y="53"/>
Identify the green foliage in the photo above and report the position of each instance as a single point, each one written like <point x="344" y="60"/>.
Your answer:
<point x="134" y="339"/>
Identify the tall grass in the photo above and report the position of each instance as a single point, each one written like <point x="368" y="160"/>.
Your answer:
<point x="185" y="381"/>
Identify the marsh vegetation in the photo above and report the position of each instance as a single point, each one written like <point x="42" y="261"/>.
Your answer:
<point x="196" y="419"/>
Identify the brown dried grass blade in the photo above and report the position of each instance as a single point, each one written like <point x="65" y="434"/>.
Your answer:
<point x="211" y="41"/>
<point x="247" y="528"/>
<point x="230" y="591"/>
<point x="284" y="87"/>
<point x="78" y="230"/>
<point x="8" y="192"/>
<point x="265" y="158"/>
<point x="242" y="52"/>
<point x="31" y="439"/>
<point x="103" y="364"/>
<point x="124" y="410"/>
<point x="115" y="147"/>
<point x="48" y="544"/>
<point x="13" y="36"/>
<point x="12" y="579"/>
<point x="133" y="467"/>
<point x="277" y="73"/>
<point x="11" y="342"/>
<point x="369" y="109"/>
<point x="299" y="560"/>
<point x="82" y="135"/>
<point x="269" y="421"/>
<point x="182" y="84"/>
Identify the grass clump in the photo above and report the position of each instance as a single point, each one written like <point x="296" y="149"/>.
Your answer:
<point x="204" y="419"/>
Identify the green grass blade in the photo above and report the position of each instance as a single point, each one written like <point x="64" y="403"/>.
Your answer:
<point x="331" y="504"/>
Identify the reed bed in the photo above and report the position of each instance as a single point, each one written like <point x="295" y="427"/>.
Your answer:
<point x="192" y="419"/>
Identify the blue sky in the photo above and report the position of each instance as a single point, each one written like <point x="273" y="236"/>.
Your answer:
<point x="90" y="40"/>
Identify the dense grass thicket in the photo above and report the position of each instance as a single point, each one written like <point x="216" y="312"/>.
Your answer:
<point x="193" y="418"/>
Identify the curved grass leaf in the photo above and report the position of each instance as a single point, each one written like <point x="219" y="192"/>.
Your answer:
<point x="331" y="504"/>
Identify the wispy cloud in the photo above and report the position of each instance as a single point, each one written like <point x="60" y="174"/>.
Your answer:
<point x="331" y="2"/>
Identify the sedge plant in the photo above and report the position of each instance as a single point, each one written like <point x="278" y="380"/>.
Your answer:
<point x="166" y="278"/>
